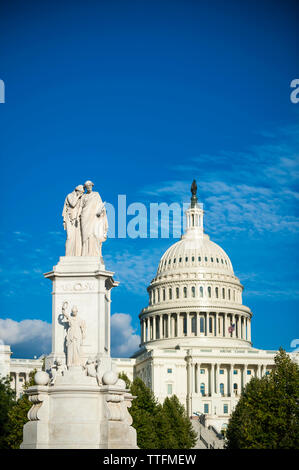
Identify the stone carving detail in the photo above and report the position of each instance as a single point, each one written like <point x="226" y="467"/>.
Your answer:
<point x="57" y="370"/>
<point x="75" y="335"/>
<point x="85" y="220"/>
<point x="117" y="408"/>
<point x="78" y="286"/>
<point x="92" y="368"/>
<point x="37" y="410"/>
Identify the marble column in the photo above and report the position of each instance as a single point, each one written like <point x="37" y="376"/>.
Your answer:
<point x="231" y="379"/>
<point x="212" y="379"/>
<point x="197" y="323"/>
<point x="188" y="319"/>
<point x="160" y="326"/>
<point x="154" y="327"/>
<point x="168" y="325"/>
<point x="216" y="378"/>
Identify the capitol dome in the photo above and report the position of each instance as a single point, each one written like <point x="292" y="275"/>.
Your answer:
<point x="195" y="294"/>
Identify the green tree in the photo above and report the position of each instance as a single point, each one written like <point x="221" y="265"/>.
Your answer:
<point x="267" y="414"/>
<point x="17" y="417"/>
<point x="144" y="410"/>
<point x="7" y="400"/>
<point x="157" y="426"/>
<point x="183" y="435"/>
<point x="124" y="377"/>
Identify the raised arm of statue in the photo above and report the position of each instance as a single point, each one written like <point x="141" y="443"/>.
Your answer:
<point x="63" y="309"/>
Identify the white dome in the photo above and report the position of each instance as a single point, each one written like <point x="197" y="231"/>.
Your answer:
<point x="198" y="252"/>
<point x="195" y="294"/>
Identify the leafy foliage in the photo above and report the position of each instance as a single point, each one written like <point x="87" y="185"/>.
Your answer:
<point x="16" y="417"/>
<point x="267" y="414"/>
<point x="179" y="421"/>
<point x="7" y="400"/>
<point x="157" y="426"/>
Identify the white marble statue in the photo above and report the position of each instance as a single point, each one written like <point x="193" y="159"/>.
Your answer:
<point x="71" y="222"/>
<point x="75" y="336"/>
<point x="57" y="369"/>
<point x="92" y="368"/>
<point x="94" y="224"/>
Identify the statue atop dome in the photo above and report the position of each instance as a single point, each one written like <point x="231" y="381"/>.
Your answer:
<point x="193" y="191"/>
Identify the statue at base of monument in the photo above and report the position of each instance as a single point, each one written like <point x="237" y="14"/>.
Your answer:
<point x="57" y="370"/>
<point x="75" y="335"/>
<point x="92" y="368"/>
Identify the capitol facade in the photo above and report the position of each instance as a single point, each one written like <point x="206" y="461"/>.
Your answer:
<point x="195" y="333"/>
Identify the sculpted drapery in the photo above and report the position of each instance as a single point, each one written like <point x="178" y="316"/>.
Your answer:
<point x="71" y="222"/>
<point x="75" y="335"/>
<point x="85" y="220"/>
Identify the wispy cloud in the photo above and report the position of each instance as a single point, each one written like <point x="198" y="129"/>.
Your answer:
<point x="253" y="191"/>
<point x="27" y="337"/>
<point x="124" y="340"/>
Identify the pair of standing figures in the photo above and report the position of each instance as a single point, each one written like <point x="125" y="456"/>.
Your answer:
<point x="85" y="221"/>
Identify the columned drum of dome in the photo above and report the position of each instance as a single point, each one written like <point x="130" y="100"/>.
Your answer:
<point x="195" y="295"/>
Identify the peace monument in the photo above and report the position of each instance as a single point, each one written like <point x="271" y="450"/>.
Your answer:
<point x="79" y="402"/>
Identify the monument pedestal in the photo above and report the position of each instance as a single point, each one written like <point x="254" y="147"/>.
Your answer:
<point x="75" y="413"/>
<point x="79" y="403"/>
<point x="82" y="281"/>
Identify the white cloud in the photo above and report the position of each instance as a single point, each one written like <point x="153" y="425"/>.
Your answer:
<point x="124" y="340"/>
<point x="30" y="337"/>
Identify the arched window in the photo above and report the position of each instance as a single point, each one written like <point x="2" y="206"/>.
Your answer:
<point x="185" y="292"/>
<point x="221" y="389"/>
<point x="223" y="293"/>
<point x="154" y="296"/>
<point x="202" y="325"/>
<point x="228" y="294"/>
<point x="216" y="292"/>
<point x="177" y="292"/>
<point x="209" y="291"/>
<point x="199" y="259"/>
<point x="193" y="291"/>
<point x="158" y="295"/>
<point x="170" y="294"/>
<point x="193" y="258"/>
<point x="202" y="388"/>
<point x="201" y="291"/>
<point x="164" y="294"/>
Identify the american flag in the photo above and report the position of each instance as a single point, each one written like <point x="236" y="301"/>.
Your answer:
<point x="231" y="328"/>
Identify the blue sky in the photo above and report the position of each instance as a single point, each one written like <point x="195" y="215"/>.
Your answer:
<point x="142" y="97"/>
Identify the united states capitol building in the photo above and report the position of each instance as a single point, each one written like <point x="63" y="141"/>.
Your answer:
<point x="195" y="332"/>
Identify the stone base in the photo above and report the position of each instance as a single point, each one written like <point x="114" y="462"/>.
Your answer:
<point x="76" y="413"/>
